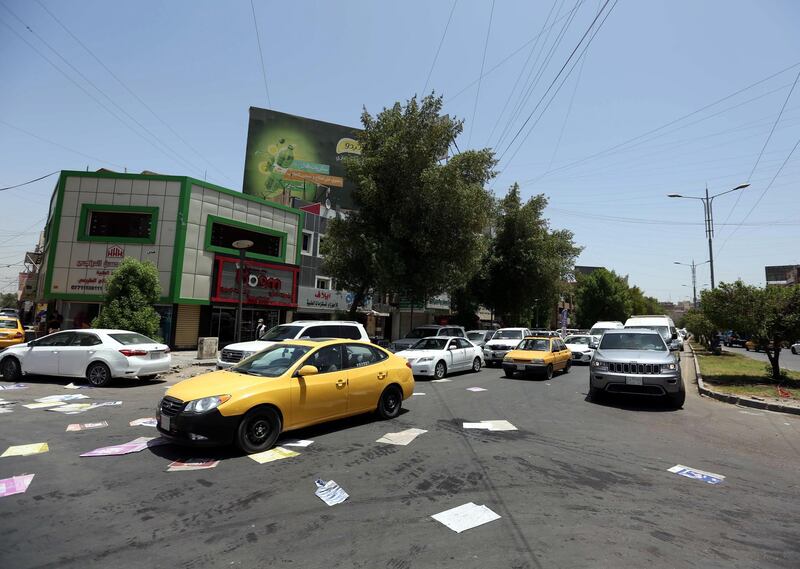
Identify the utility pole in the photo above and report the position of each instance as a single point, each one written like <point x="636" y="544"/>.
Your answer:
<point x="694" y="266"/>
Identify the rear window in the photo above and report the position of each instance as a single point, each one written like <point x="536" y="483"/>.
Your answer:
<point x="129" y="338"/>
<point x="8" y="324"/>
<point x="332" y="331"/>
<point x="475" y="335"/>
<point x="508" y="335"/>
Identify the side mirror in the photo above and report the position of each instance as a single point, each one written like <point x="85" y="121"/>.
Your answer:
<point x="593" y="346"/>
<point x="32" y="343"/>
<point x="306" y="370"/>
<point x="452" y="347"/>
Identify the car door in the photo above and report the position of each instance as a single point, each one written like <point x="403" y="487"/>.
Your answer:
<point x="367" y="374"/>
<point x="43" y="357"/>
<point x="74" y="358"/>
<point x="469" y="352"/>
<point x="451" y="357"/>
<point x="322" y="395"/>
<point x="563" y="353"/>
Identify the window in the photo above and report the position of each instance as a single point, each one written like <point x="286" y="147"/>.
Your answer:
<point x="457" y="332"/>
<point x="332" y="331"/>
<point x="131" y="338"/>
<point x="326" y="360"/>
<point x="429" y="344"/>
<point x="223" y="235"/>
<point x="118" y="223"/>
<point x="308" y="240"/>
<point x="349" y="332"/>
<point x="272" y="362"/>
<point x="279" y="333"/>
<point x="463" y="343"/>
<point x="84" y="339"/>
<point x="360" y="356"/>
<point x="324" y="283"/>
<point x="320" y="239"/>
<point x="535" y="345"/>
<point x="58" y="339"/>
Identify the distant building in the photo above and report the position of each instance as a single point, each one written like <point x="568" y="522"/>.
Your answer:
<point x="783" y="275"/>
<point x="585" y="270"/>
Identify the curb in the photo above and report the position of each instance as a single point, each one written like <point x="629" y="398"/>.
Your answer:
<point x="735" y="399"/>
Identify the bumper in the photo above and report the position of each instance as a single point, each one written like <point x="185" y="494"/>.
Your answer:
<point x="225" y="365"/>
<point x="581" y="357"/>
<point x="524" y="368"/>
<point x="145" y="367"/>
<point x="8" y="342"/>
<point x="494" y="356"/>
<point x="424" y="369"/>
<point x="643" y="384"/>
<point x="210" y="428"/>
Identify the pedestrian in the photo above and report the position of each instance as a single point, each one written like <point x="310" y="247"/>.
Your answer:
<point x="54" y="322"/>
<point x="261" y="329"/>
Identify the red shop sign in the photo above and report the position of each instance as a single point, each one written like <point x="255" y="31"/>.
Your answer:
<point x="264" y="283"/>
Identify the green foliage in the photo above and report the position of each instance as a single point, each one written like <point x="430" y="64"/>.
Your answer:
<point x="602" y="295"/>
<point x="131" y="291"/>
<point x="419" y="222"/>
<point x="769" y="315"/>
<point x="641" y="304"/>
<point x="8" y="300"/>
<point x="699" y="326"/>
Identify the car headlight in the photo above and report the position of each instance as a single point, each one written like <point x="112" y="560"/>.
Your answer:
<point x="599" y="365"/>
<point x="507" y="358"/>
<point x="246" y="355"/>
<point x="425" y="359"/>
<point x="668" y="367"/>
<point x="206" y="404"/>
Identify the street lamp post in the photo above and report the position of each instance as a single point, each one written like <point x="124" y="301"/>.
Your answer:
<point x="693" y="266"/>
<point x="242" y="245"/>
<point x="709" y="218"/>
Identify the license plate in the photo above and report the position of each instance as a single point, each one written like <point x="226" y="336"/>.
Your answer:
<point x="521" y="367"/>
<point x="156" y="355"/>
<point x="165" y="422"/>
<point x="630" y="380"/>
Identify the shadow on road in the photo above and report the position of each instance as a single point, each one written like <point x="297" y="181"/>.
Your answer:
<point x="634" y="403"/>
<point x="123" y="383"/>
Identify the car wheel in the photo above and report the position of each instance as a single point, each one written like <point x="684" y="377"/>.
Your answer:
<point x="567" y="366"/>
<point x="476" y="365"/>
<point x="258" y="430"/>
<point x="440" y="370"/>
<point x="390" y="402"/>
<point x="150" y="377"/>
<point x="676" y="400"/>
<point x="98" y="374"/>
<point x="11" y="369"/>
<point x="549" y="372"/>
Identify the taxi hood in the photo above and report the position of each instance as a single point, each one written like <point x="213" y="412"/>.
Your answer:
<point x="216" y="383"/>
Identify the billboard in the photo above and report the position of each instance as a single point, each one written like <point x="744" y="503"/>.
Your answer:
<point x="290" y="156"/>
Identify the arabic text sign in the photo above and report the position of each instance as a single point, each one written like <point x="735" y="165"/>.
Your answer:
<point x="688" y="472"/>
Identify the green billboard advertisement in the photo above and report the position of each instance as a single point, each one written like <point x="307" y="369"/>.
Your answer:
<point x="290" y="156"/>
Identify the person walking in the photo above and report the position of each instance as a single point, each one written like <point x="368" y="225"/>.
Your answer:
<point x="261" y="329"/>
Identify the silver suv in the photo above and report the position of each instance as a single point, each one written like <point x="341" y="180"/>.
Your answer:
<point x="636" y="361"/>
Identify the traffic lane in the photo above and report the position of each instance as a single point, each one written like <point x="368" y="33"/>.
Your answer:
<point x="579" y="484"/>
<point x="787" y="359"/>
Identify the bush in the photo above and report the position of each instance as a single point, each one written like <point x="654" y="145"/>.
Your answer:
<point x="699" y="326"/>
<point x="131" y="292"/>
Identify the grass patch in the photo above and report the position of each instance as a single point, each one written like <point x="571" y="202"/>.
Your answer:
<point x="740" y="375"/>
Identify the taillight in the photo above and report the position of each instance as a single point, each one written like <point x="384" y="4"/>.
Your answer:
<point x="130" y="353"/>
<point x="19" y="335"/>
<point x="167" y="351"/>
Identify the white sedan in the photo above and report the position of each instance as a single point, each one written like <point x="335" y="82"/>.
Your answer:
<point x="796" y="347"/>
<point x="97" y="355"/>
<point x="579" y="345"/>
<point x="438" y="356"/>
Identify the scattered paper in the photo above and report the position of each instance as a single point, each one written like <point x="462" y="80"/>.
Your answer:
<point x="43" y="405"/>
<point x="402" y="438"/>
<point x="86" y="426"/>
<point x="419" y="393"/>
<point x="443" y="380"/>
<point x="6" y="402"/>
<point x="192" y="464"/>
<point x="15" y="485"/>
<point x="296" y="443"/>
<point x="144" y="422"/>
<point x="498" y="425"/>
<point x="476" y="389"/>
<point x="330" y="492"/>
<point x="25" y="450"/>
<point x="136" y="445"/>
<point x="68" y="397"/>
<point x="277" y="453"/>
<point x="465" y="517"/>
<point x="13" y="386"/>
<point x="72" y="408"/>
<point x="689" y="472"/>
<point x="73" y="386"/>
<point x="106" y="404"/>
<point x="4" y="410"/>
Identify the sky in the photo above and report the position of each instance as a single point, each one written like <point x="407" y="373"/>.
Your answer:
<point x="668" y="97"/>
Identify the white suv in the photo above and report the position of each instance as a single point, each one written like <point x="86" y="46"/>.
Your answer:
<point x="234" y="353"/>
<point x="503" y="341"/>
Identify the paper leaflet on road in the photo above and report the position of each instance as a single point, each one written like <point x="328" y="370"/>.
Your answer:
<point x="476" y="389"/>
<point x="43" y="405"/>
<point x="25" y="450"/>
<point x="192" y="464"/>
<point x="689" y="472"/>
<point x="271" y="455"/>
<point x="73" y="386"/>
<point x="13" y="386"/>
<point x="15" y="484"/>
<point x="296" y="443"/>
<point x="416" y="393"/>
<point x="86" y="426"/>
<point x="401" y="438"/>
<point x="497" y="425"/>
<point x="6" y="402"/>
<point x="106" y="404"/>
<point x="330" y="492"/>
<point x="136" y="445"/>
<point x="143" y="422"/>
<point x="444" y="380"/>
<point x="465" y="517"/>
<point x="68" y="397"/>
<point x="4" y="410"/>
<point x="72" y="408"/>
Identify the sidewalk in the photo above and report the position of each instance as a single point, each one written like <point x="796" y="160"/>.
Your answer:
<point x="185" y="358"/>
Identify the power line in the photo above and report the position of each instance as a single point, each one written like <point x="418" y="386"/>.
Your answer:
<point x="29" y="181"/>
<point x="261" y="54"/>
<point x="441" y="42"/>
<point x="483" y="63"/>
<point x="569" y="111"/>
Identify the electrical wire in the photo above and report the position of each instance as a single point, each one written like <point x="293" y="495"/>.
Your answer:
<point x="483" y="63"/>
<point x="569" y="111"/>
<point x="261" y="54"/>
<point x="29" y="181"/>
<point x="438" y="49"/>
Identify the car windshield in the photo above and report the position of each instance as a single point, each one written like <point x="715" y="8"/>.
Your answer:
<point x="279" y="333"/>
<point x="429" y="344"/>
<point x="585" y="340"/>
<point x="129" y="338"/>
<point x="8" y="323"/>
<point x="535" y="345"/>
<point x="598" y="331"/>
<point x="508" y="335"/>
<point x="635" y="341"/>
<point x="475" y="335"/>
<point x="420" y="333"/>
<point x="663" y="330"/>
<point x="272" y="362"/>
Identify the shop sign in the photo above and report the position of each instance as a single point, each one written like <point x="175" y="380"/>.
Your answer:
<point x="441" y="302"/>
<point x="264" y="283"/>
<point x="310" y="298"/>
<point x="93" y="280"/>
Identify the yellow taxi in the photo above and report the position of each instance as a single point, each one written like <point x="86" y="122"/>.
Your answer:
<point x="539" y="355"/>
<point x="287" y="386"/>
<point x="11" y="332"/>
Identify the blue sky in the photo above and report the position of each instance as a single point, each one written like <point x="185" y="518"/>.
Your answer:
<point x="195" y="63"/>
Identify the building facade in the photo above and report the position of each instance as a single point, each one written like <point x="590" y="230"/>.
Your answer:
<point x="782" y="275"/>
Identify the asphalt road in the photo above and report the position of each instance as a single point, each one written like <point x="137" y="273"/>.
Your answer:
<point x="787" y="359"/>
<point x="578" y="485"/>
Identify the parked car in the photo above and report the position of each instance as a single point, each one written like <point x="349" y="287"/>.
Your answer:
<point x="756" y="347"/>
<point x="287" y="386"/>
<point x="599" y="327"/>
<point x="480" y="337"/>
<point x="538" y="355"/>
<point x="11" y="312"/>
<point x="234" y="353"/>
<point x="796" y="347"/>
<point x="439" y="355"/>
<point x="503" y="341"/>
<point x="581" y="347"/>
<point x="11" y="332"/>
<point x="732" y="339"/>
<point x="427" y="331"/>
<point x="636" y="361"/>
<point x="97" y="355"/>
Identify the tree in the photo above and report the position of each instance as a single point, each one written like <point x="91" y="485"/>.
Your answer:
<point x="601" y="295"/>
<point x="770" y="316"/>
<point x="700" y="326"/>
<point x="641" y="304"/>
<point x="418" y="222"/>
<point x="527" y="260"/>
<point x="131" y="291"/>
<point x="8" y="300"/>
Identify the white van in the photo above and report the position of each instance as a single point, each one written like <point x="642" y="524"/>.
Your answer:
<point x="603" y="325"/>
<point x="659" y="322"/>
